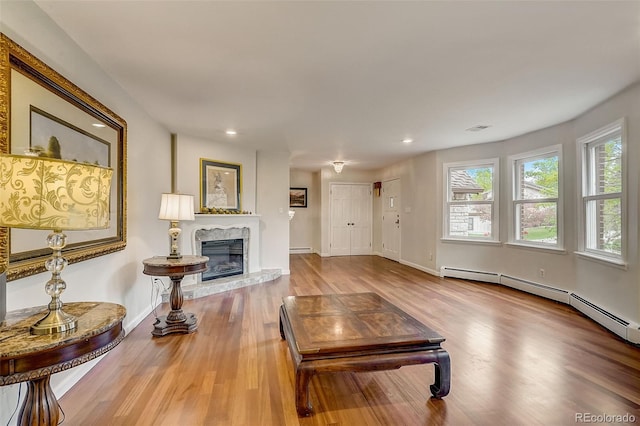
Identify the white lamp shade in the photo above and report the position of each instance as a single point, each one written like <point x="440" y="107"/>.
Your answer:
<point x="176" y="207"/>
<point x="47" y="193"/>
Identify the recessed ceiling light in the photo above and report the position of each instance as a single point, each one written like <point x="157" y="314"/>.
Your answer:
<point x="407" y="140"/>
<point x="98" y="125"/>
<point x="231" y="132"/>
<point x="478" y="128"/>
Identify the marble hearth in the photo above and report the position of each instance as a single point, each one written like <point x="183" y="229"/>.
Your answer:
<point x="221" y="227"/>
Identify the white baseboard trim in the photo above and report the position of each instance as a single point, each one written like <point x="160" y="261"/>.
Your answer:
<point x="420" y="268"/>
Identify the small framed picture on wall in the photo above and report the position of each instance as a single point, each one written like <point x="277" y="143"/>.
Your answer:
<point x="297" y="197"/>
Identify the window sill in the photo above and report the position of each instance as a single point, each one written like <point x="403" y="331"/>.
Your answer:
<point x="618" y="263"/>
<point x="553" y="250"/>
<point x="464" y="241"/>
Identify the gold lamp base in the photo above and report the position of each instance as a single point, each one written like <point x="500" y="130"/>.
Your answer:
<point x="56" y="321"/>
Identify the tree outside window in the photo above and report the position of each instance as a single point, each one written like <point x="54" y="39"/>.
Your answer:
<point x="536" y="180"/>
<point x="603" y="191"/>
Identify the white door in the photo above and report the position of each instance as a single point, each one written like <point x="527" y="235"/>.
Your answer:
<point x="360" y="219"/>
<point x="340" y="220"/>
<point x="350" y="219"/>
<point x="391" y="219"/>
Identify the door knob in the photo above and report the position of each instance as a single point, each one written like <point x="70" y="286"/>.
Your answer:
<point x="397" y="221"/>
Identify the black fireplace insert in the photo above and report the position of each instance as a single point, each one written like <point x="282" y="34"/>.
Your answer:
<point x="226" y="258"/>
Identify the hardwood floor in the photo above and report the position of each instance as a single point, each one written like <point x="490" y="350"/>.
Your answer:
<point x="516" y="359"/>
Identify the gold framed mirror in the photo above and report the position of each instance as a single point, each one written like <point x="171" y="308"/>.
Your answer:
<point x="42" y="111"/>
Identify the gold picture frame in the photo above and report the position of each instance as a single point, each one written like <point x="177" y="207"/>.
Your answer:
<point x="220" y="185"/>
<point x="34" y="99"/>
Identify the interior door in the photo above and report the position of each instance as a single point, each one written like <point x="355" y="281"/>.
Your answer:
<point x="340" y="220"/>
<point x="391" y="219"/>
<point x="350" y="219"/>
<point x="360" y="219"/>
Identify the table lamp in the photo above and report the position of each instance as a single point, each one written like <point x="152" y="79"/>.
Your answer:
<point x="176" y="207"/>
<point x="46" y="193"/>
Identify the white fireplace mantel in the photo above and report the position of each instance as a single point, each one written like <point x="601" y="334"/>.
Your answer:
<point x="223" y="221"/>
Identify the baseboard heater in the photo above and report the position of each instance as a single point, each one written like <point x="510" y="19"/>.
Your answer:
<point x="468" y="274"/>
<point x="538" y="289"/>
<point x="619" y="326"/>
<point x="300" y="250"/>
<point x="625" y="329"/>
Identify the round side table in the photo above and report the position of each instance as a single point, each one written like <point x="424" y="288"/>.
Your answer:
<point x="175" y="321"/>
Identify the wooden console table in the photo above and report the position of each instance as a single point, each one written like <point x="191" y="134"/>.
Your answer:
<point x="356" y="332"/>
<point x="175" y="321"/>
<point x="25" y="357"/>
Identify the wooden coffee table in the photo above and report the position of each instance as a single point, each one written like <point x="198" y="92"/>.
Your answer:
<point x="356" y="332"/>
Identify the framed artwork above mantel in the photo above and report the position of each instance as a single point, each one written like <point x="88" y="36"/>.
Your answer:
<point x="43" y="112"/>
<point x="220" y="185"/>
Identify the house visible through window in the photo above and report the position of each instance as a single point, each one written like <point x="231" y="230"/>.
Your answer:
<point x="603" y="191"/>
<point x="536" y="213"/>
<point x="470" y="211"/>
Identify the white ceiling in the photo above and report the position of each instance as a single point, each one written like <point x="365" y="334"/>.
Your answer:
<point x="349" y="80"/>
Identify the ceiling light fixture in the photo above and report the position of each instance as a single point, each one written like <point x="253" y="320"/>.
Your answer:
<point x="231" y="132"/>
<point x="407" y="140"/>
<point x="337" y="166"/>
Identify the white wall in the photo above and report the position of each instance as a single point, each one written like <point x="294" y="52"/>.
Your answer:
<point x="190" y="150"/>
<point x="272" y="199"/>
<point x="303" y="224"/>
<point x="613" y="288"/>
<point x="516" y="261"/>
<point x="115" y="277"/>
<point x="418" y="209"/>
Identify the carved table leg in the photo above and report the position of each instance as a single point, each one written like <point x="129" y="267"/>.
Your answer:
<point x="176" y="321"/>
<point x="40" y="406"/>
<point x="442" y="382"/>
<point x="303" y="377"/>
<point x="176" y="299"/>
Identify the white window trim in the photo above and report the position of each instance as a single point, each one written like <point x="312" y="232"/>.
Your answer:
<point x="495" y="228"/>
<point x="581" y="145"/>
<point x="532" y="155"/>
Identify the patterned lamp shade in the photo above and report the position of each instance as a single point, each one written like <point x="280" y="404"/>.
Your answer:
<point x="46" y="193"/>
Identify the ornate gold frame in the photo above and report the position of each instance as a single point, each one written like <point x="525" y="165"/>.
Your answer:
<point x="13" y="56"/>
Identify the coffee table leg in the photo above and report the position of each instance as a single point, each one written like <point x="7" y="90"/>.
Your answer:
<point x="281" y="327"/>
<point x="303" y="377"/>
<point x="443" y="374"/>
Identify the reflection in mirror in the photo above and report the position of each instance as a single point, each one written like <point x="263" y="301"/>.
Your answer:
<point x="51" y="117"/>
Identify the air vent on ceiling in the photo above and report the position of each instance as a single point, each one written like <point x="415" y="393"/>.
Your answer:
<point x="477" y="128"/>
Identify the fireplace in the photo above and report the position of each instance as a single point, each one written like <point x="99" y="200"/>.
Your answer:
<point x="221" y="227"/>
<point x="225" y="258"/>
<point x="227" y="250"/>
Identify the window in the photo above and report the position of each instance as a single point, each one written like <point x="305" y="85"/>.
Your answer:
<point x="602" y="204"/>
<point x="536" y="208"/>
<point x="471" y="200"/>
